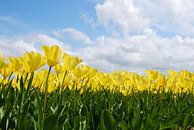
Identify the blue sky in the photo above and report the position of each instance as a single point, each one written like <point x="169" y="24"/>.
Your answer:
<point x="45" y="15"/>
<point x="107" y="34"/>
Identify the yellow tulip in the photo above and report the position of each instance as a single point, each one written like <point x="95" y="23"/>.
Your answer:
<point x="6" y="71"/>
<point x="16" y="84"/>
<point x="117" y="79"/>
<point x="51" y="87"/>
<point x="89" y="71"/>
<point x="15" y="64"/>
<point x="32" y="61"/>
<point x="40" y="80"/>
<point x="40" y="75"/>
<point x="53" y="55"/>
<point x="152" y="74"/>
<point x="84" y="71"/>
<point x="172" y="73"/>
<point x="59" y="69"/>
<point x="3" y="82"/>
<point x="141" y="84"/>
<point x="2" y="61"/>
<point x="78" y="71"/>
<point x="70" y="62"/>
<point x="64" y="82"/>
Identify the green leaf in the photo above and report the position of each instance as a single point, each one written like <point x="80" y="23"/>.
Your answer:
<point x="186" y="121"/>
<point x="38" y="107"/>
<point x="76" y="123"/>
<point x="123" y="125"/>
<point x="107" y="121"/>
<point x="51" y="123"/>
<point x="29" y="84"/>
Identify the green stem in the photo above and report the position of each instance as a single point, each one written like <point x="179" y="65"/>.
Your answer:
<point x="10" y="76"/>
<point x="2" y="85"/>
<point x="61" y="88"/>
<point x="21" y="105"/>
<point x="64" y="78"/>
<point x="9" y="84"/>
<point x="46" y="88"/>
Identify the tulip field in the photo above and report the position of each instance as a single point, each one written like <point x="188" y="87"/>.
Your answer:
<point x="53" y="90"/>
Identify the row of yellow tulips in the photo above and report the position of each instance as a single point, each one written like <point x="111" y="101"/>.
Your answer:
<point x="69" y="72"/>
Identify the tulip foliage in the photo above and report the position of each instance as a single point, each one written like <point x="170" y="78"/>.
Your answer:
<point x="57" y="91"/>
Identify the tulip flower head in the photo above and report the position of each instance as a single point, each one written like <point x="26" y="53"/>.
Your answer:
<point x="53" y="55"/>
<point x="32" y="61"/>
<point x="70" y="62"/>
<point x="2" y="61"/>
<point x="15" y="63"/>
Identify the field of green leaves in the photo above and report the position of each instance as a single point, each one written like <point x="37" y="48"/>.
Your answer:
<point x="70" y="95"/>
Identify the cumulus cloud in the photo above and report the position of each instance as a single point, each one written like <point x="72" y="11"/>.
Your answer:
<point x="10" y="47"/>
<point x="121" y="15"/>
<point x="74" y="34"/>
<point x="133" y="16"/>
<point x="43" y="39"/>
<point x="140" y="52"/>
<point x="142" y="43"/>
<point x="133" y="53"/>
<point x="17" y="46"/>
<point x="170" y="16"/>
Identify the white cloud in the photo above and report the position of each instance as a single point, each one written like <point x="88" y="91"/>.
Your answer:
<point x="73" y="34"/>
<point x="133" y="16"/>
<point x="141" y="43"/>
<point x="172" y="16"/>
<point x="88" y="19"/>
<point x="140" y="52"/>
<point x="121" y="14"/>
<point x="42" y="39"/>
<point x="10" y="47"/>
<point x="17" y="46"/>
<point x="133" y="53"/>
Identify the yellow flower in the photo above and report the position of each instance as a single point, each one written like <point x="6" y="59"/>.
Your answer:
<point x="68" y="80"/>
<point x="53" y="55"/>
<point x="141" y="83"/>
<point x="6" y="71"/>
<point x="58" y="69"/>
<point x="2" y="61"/>
<point x="89" y="71"/>
<point x="152" y="74"/>
<point x="70" y="62"/>
<point x="172" y="73"/>
<point x="32" y="61"/>
<point x="84" y="71"/>
<point x="40" y="75"/>
<point x="16" y="84"/>
<point x="117" y="78"/>
<point x="78" y="71"/>
<point x="51" y="87"/>
<point x="15" y="64"/>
